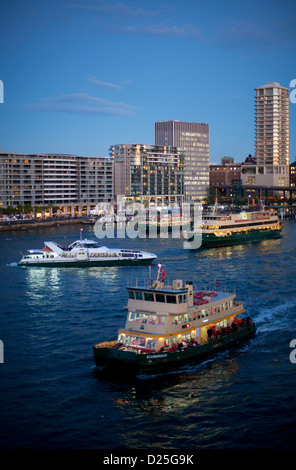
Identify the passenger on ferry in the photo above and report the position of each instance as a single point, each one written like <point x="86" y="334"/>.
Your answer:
<point x="234" y="326"/>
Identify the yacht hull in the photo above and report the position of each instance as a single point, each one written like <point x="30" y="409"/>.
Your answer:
<point x="86" y="263"/>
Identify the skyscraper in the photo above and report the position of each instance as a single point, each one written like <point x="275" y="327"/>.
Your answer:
<point x="272" y="133"/>
<point x="193" y="139"/>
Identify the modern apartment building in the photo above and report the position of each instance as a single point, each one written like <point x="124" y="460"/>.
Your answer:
<point x="271" y="138"/>
<point x="193" y="139"/>
<point x="62" y="180"/>
<point x="143" y="172"/>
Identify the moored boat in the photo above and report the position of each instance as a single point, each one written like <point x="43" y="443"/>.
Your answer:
<point x="163" y="221"/>
<point x="168" y="325"/>
<point x="89" y="221"/>
<point x="84" y="253"/>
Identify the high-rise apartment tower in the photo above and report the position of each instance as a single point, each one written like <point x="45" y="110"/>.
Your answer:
<point x="272" y="133"/>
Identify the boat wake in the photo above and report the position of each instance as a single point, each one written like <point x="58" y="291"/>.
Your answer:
<point x="276" y="317"/>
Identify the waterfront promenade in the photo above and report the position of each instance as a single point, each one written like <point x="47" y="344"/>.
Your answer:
<point x="23" y="224"/>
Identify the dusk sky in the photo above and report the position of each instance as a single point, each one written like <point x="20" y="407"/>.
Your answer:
<point x="81" y="75"/>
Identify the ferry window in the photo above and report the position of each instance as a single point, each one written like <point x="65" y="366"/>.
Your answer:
<point x="151" y="343"/>
<point x="230" y="304"/>
<point x="166" y="343"/>
<point x="175" y="321"/>
<point x="171" y="299"/>
<point x="180" y="299"/>
<point x="127" y="339"/>
<point x="160" y="298"/>
<point x="138" y="295"/>
<point x="141" y="343"/>
<point x="131" y="316"/>
<point x="121" y="338"/>
<point x="131" y="294"/>
<point x="152" y="319"/>
<point x="148" y="296"/>
<point x="160" y="320"/>
<point x="134" y="341"/>
<point x="137" y="317"/>
<point x="144" y="318"/>
<point x="186" y="338"/>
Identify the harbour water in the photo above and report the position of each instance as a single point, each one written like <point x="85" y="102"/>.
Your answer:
<point x="53" y="397"/>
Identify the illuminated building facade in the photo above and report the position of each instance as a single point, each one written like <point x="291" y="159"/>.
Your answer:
<point x="144" y="172"/>
<point x="271" y="138"/>
<point x="62" y="180"/>
<point x="193" y="139"/>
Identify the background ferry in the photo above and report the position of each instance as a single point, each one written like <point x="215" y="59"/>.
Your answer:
<point x="84" y="253"/>
<point x="236" y="228"/>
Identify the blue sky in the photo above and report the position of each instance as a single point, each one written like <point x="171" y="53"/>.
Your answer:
<point x="81" y="75"/>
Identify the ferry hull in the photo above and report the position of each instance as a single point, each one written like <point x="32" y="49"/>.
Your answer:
<point x="154" y="362"/>
<point x="211" y="240"/>
<point x="86" y="263"/>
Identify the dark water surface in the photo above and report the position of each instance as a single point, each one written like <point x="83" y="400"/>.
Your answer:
<point x="52" y="396"/>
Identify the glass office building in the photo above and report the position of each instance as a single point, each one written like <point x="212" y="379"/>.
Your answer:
<point x="193" y="139"/>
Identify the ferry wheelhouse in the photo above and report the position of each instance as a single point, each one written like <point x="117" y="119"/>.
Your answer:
<point x="167" y="325"/>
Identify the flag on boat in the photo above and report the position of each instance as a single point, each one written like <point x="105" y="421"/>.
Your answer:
<point x="217" y="282"/>
<point x="162" y="274"/>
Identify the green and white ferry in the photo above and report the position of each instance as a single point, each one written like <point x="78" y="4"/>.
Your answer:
<point x="237" y="228"/>
<point x="168" y="325"/>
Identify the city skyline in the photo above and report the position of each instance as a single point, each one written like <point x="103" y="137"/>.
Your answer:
<point x="79" y="77"/>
